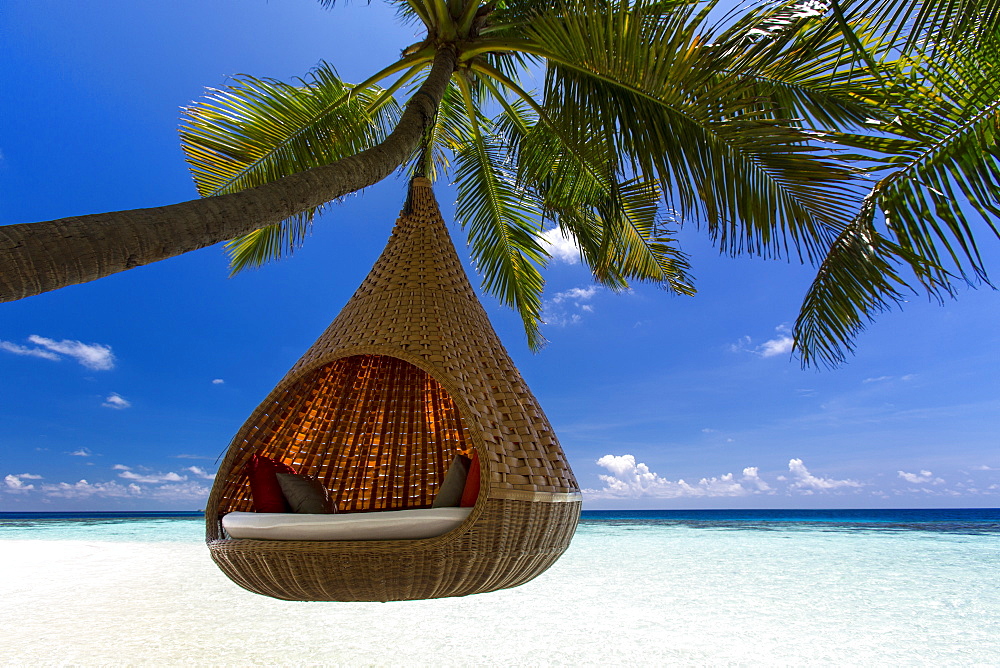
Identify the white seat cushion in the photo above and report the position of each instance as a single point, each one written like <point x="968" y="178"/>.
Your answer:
<point x="382" y="525"/>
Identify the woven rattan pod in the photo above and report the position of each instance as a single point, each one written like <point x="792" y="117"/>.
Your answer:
<point x="408" y="374"/>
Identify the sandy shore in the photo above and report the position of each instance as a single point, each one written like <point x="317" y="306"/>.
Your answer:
<point x="711" y="599"/>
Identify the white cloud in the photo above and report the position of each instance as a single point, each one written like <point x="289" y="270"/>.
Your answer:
<point x="116" y="401"/>
<point x="93" y="355"/>
<point x="24" y="350"/>
<point x="149" y="478"/>
<point x="564" y="308"/>
<point x="157" y="486"/>
<point x="808" y="483"/>
<point x="200" y="472"/>
<point x="192" y="457"/>
<point x="82" y="452"/>
<point x="629" y="479"/>
<point x="779" y="345"/>
<point x="751" y="476"/>
<point x="15" y="483"/>
<point x="920" y="478"/>
<point x="877" y="379"/>
<point x="561" y="248"/>
<point x="187" y="491"/>
<point x="218" y="381"/>
<point x="984" y="467"/>
<point x="84" y="489"/>
<point x="576" y="294"/>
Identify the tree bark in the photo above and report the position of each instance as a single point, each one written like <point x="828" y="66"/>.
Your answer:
<point x="39" y="257"/>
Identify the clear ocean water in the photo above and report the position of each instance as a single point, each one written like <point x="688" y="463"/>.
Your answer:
<point x="689" y="588"/>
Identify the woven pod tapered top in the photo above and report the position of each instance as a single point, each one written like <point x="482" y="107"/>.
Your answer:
<point x="408" y="374"/>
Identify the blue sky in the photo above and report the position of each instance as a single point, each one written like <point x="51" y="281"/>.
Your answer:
<point x="121" y="394"/>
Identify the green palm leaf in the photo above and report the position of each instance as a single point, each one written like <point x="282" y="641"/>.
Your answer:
<point x="615" y="224"/>
<point x="720" y="154"/>
<point x="501" y="222"/>
<point x="938" y="164"/>
<point x="910" y="22"/>
<point x="858" y="279"/>
<point x="257" y="130"/>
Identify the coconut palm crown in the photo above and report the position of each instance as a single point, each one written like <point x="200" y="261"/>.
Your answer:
<point x="859" y="135"/>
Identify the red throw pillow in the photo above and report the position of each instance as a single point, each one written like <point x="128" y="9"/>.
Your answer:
<point x="264" y="488"/>
<point x="471" y="491"/>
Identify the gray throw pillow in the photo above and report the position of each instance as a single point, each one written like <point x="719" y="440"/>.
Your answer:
<point x="306" y="494"/>
<point x="450" y="493"/>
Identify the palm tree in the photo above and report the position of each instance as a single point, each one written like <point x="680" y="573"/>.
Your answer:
<point x="652" y="113"/>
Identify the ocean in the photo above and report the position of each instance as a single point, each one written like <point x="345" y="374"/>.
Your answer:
<point x="687" y="588"/>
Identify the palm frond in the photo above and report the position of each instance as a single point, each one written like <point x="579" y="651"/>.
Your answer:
<point x="501" y="222"/>
<point x="946" y="157"/>
<point x="803" y="69"/>
<point x="857" y="280"/>
<point x="909" y="23"/>
<point x="720" y="155"/>
<point x="258" y="130"/>
<point x="938" y="164"/>
<point x="273" y="242"/>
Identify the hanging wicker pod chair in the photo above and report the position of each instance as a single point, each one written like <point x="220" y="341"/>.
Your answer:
<point x="408" y="374"/>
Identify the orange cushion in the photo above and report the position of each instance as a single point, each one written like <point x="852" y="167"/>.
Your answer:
<point x="264" y="488"/>
<point x="471" y="491"/>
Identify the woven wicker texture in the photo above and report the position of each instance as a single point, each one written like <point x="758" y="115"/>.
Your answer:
<point x="408" y="374"/>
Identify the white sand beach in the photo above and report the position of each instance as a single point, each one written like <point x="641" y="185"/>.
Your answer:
<point x="620" y="596"/>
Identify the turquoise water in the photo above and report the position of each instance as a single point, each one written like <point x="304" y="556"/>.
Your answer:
<point x="683" y="588"/>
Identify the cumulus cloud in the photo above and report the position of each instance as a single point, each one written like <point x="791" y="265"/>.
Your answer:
<point x="778" y="346"/>
<point x="187" y="491"/>
<point x="150" y="478"/>
<point x="155" y="486"/>
<point x="564" y="308"/>
<point x="82" y="452"/>
<point x="808" y="483"/>
<point x="628" y="479"/>
<point x="116" y="401"/>
<point x="14" y="483"/>
<point x="218" y="381"/>
<point x="200" y="472"/>
<point x="924" y="477"/>
<point x="561" y="248"/>
<point x="751" y="477"/>
<point x="84" y="489"/>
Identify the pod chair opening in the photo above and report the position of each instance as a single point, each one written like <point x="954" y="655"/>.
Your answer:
<point x="377" y="431"/>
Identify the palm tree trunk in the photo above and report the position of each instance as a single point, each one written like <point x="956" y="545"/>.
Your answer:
<point x="38" y="257"/>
